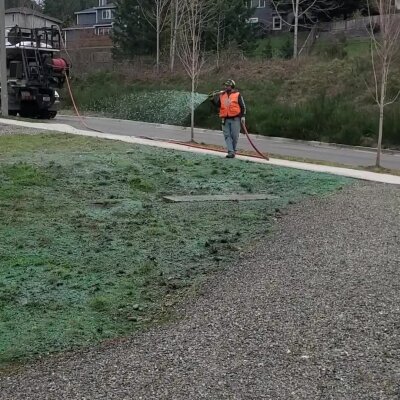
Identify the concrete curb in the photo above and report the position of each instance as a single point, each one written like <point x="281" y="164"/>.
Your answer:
<point x="346" y="172"/>
<point x="255" y="136"/>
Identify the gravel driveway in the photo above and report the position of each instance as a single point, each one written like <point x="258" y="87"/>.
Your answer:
<point x="12" y="130"/>
<point x="312" y="313"/>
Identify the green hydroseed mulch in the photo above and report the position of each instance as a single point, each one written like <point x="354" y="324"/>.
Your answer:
<point x="88" y="248"/>
<point x="157" y="106"/>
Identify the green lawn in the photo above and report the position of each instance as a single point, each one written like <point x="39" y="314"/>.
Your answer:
<point x="358" y="47"/>
<point x="88" y="248"/>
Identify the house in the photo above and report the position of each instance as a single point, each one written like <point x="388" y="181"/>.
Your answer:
<point x="93" y="26"/>
<point x="98" y="21"/>
<point x="266" y="16"/>
<point x="28" y="18"/>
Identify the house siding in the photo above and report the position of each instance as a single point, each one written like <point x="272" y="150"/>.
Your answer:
<point x="71" y="36"/>
<point x="27" y="21"/>
<point x="92" y="35"/>
<point x="101" y="20"/>
<point x="86" y="38"/>
<point x="86" y="19"/>
<point x="264" y="14"/>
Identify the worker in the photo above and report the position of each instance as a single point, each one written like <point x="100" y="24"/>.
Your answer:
<point x="232" y="111"/>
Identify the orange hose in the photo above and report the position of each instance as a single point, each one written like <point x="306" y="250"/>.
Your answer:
<point x="82" y="121"/>
<point x="199" y="146"/>
<point x="262" y="155"/>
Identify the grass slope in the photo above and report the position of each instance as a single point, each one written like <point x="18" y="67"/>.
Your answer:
<point x="315" y="98"/>
<point x="88" y="248"/>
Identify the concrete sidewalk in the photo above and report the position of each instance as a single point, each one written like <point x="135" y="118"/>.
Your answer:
<point x="321" y="153"/>
<point x="347" y="172"/>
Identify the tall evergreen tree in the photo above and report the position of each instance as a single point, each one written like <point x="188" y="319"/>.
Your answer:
<point x="347" y="8"/>
<point x="21" y="3"/>
<point x="64" y="10"/>
<point x="343" y="9"/>
<point x="322" y="10"/>
<point x="229" y="24"/>
<point x="132" y="33"/>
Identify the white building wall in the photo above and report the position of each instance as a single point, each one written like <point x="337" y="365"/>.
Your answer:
<point x="27" y="21"/>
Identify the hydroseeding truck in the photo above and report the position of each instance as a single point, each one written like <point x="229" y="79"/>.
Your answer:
<point x="34" y="71"/>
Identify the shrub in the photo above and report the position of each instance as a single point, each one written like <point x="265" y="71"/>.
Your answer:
<point x="267" y="51"/>
<point x="331" y="49"/>
<point x="287" y="49"/>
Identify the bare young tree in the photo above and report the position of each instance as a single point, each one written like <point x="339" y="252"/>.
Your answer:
<point x="219" y="6"/>
<point x="301" y="9"/>
<point x="190" y="52"/>
<point x="156" y="16"/>
<point x="176" y="20"/>
<point x="384" y="33"/>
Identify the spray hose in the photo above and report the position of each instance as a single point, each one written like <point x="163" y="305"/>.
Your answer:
<point x="67" y="80"/>
<point x="82" y="121"/>
<point x="246" y="132"/>
<point x="194" y="145"/>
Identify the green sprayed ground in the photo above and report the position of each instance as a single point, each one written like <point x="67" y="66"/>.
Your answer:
<point x="88" y="248"/>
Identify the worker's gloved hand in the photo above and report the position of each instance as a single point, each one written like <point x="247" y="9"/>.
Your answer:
<point x="215" y="93"/>
<point x="243" y="121"/>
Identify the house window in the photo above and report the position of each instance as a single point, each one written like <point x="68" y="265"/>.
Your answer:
<point x="252" y="20"/>
<point x="106" y="14"/>
<point x="104" y="31"/>
<point x="102" y="3"/>
<point x="261" y="4"/>
<point x="276" y="23"/>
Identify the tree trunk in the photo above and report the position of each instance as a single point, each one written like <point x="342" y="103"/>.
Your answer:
<point x="379" y="148"/>
<point x="384" y="79"/>
<point x="218" y="39"/>
<point x="194" y="57"/>
<point x="381" y="120"/>
<point x="192" y="112"/>
<point x="158" y="43"/>
<point x="296" y="31"/>
<point x="174" y="35"/>
<point x="171" y="37"/>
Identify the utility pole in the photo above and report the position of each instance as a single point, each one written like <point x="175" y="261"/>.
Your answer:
<point x="3" y="61"/>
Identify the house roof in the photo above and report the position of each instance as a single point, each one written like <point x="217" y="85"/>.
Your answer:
<point x="87" y="11"/>
<point x="94" y="9"/>
<point x="78" y="27"/>
<point x="110" y="5"/>
<point x="29" y="11"/>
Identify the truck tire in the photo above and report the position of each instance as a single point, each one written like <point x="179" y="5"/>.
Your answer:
<point x="27" y="111"/>
<point x="47" y="114"/>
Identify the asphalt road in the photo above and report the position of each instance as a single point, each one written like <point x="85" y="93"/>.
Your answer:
<point x="313" y="151"/>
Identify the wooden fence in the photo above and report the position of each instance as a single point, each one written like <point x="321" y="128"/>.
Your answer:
<point x="352" y="27"/>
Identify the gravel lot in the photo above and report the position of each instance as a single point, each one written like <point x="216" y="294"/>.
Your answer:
<point x="11" y="130"/>
<point x="311" y="313"/>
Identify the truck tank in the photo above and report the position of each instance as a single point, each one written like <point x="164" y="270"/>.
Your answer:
<point x="34" y="71"/>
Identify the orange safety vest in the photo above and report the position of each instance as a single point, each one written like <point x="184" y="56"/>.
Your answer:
<point x="229" y="105"/>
